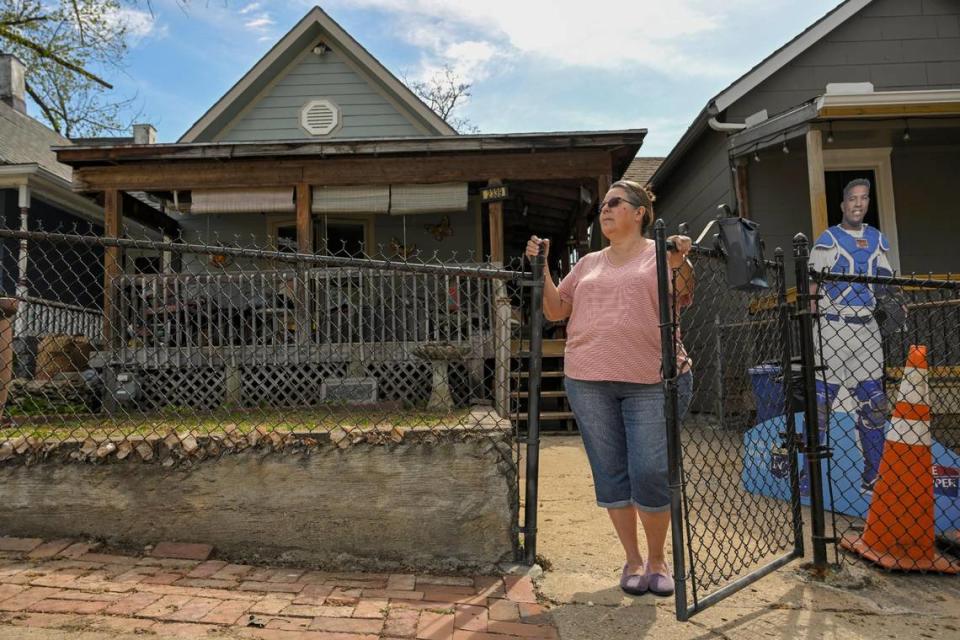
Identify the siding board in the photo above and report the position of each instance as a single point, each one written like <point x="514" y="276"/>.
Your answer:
<point x="895" y="44"/>
<point x="364" y="111"/>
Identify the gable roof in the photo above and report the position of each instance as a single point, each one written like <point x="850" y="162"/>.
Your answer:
<point x="24" y="140"/>
<point x="312" y="26"/>
<point x="756" y="75"/>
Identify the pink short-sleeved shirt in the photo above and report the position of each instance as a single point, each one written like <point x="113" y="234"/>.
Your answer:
<point x="613" y="332"/>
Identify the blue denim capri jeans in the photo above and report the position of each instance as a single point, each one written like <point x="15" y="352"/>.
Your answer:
<point x="624" y="433"/>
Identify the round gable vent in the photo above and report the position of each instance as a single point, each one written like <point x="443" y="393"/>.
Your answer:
<point x="319" y="117"/>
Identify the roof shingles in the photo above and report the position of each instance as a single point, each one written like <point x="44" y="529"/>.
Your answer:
<point x="24" y="140"/>
<point x="642" y="169"/>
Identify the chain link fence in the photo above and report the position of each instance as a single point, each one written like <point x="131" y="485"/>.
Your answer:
<point x="887" y="393"/>
<point x="739" y="520"/>
<point x="172" y="352"/>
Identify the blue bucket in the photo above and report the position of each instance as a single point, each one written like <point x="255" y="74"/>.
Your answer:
<point x="767" y="391"/>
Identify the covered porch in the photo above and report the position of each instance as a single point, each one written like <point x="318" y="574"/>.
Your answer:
<point x="224" y="309"/>
<point x="790" y="168"/>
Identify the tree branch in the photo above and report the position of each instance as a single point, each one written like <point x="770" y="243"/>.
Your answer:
<point x="76" y="12"/>
<point x="54" y="122"/>
<point x="15" y="22"/>
<point x="47" y="53"/>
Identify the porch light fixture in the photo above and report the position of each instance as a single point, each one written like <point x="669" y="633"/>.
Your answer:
<point x="906" y="131"/>
<point x="830" y="132"/>
<point x="756" y="155"/>
<point x="785" y="148"/>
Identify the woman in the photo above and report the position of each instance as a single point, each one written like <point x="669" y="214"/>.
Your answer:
<point x="613" y="379"/>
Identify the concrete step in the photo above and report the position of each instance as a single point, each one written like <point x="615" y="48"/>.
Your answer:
<point x="543" y="394"/>
<point x="549" y="415"/>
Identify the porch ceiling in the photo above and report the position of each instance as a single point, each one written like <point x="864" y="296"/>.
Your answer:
<point x="847" y="132"/>
<point x="551" y="156"/>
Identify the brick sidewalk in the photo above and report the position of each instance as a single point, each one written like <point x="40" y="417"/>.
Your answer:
<point x="68" y="584"/>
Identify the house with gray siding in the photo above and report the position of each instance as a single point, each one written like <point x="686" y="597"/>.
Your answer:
<point x="319" y="149"/>
<point x="36" y="194"/>
<point x="872" y="89"/>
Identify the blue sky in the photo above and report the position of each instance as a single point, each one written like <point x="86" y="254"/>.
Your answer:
<point x="535" y="65"/>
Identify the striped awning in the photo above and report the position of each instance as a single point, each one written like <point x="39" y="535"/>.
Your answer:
<point x="242" y="201"/>
<point x="428" y="198"/>
<point x="362" y="199"/>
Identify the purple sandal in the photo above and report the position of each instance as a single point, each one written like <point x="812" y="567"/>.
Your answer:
<point x="659" y="584"/>
<point x="634" y="584"/>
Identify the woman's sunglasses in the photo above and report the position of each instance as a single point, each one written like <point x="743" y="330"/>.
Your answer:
<point x="615" y="201"/>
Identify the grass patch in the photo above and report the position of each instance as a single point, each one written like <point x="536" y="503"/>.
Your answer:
<point x="322" y="419"/>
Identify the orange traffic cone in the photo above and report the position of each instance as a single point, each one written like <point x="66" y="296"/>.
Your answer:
<point x="899" y="533"/>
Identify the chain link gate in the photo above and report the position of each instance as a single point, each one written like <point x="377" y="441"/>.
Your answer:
<point x="734" y="472"/>
<point x="173" y="352"/>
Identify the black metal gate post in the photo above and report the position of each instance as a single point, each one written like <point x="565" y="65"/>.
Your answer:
<point x="790" y="431"/>
<point x="669" y="368"/>
<point x="534" y="368"/>
<point x="813" y="449"/>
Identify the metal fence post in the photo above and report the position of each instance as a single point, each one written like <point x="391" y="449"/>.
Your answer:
<point x="534" y="368"/>
<point x="669" y="368"/>
<point x="813" y="449"/>
<point x="790" y="428"/>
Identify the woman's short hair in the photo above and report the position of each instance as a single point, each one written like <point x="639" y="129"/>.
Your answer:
<point x="642" y="195"/>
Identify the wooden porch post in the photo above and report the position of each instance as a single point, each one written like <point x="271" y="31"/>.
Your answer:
<point x="817" y="180"/>
<point x="8" y="308"/>
<point x="501" y="311"/>
<point x="597" y="241"/>
<point x="741" y="184"/>
<point x="301" y="289"/>
<point x="304" y="226"/>
<point x="495" y="211"/>
<point x="112" y="263"/>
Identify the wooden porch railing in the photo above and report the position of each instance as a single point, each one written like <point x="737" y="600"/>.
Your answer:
<point x="353" y="308"/>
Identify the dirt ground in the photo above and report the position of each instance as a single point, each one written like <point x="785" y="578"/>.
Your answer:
<point x="584" y="560"/>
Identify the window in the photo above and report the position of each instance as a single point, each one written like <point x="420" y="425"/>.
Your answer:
<point x="344" y="238"/>
<point x="835" y="182"/>
<point x="863" y="162"/>
<point x="348" y="236"/>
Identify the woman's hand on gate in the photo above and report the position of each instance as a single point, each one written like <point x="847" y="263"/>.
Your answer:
<point x="534" y="245"/>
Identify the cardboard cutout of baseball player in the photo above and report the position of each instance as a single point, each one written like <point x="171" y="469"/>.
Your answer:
<point x="851" y="345"/>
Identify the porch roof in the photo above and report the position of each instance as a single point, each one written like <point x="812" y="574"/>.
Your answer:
<point x="518" y="156"/>
<point x="880" y="111"/>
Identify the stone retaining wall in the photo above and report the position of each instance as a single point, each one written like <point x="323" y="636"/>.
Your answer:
<point x="441" y="505"/>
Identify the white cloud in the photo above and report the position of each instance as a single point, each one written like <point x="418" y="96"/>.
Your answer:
<point x="605" y="34"/>
<point x="253" y="6"/>
<point x="139" y="24"/>
<point x="260" y="22"/>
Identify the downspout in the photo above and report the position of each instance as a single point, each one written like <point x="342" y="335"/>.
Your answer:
<point x="728" y="128"/>
<point x="725" y="127"/>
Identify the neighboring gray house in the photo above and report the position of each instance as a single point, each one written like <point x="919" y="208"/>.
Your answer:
<point x="36" y="193"/>
<point x="872" y="89"/>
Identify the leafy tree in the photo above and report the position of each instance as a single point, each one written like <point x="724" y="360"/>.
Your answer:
<point x="61" y="42"/>
<point x="443" y="92"/>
